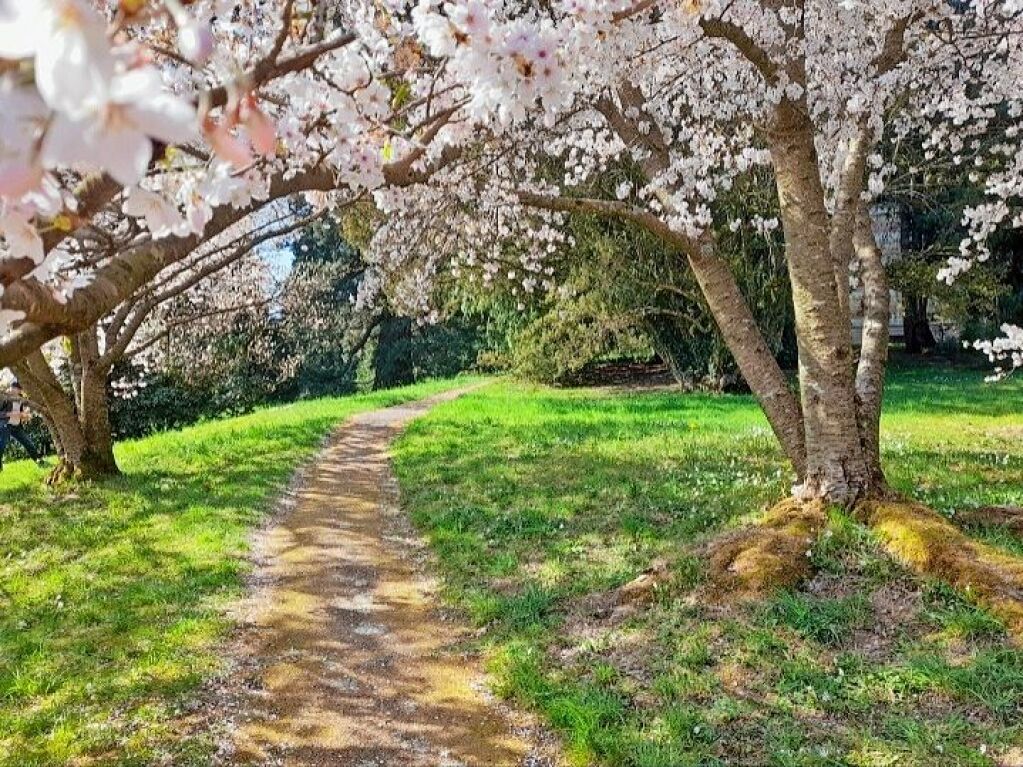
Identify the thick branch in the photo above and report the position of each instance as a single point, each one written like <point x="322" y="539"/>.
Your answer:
<point x="847" y="204"/>
<point x="47" y="317"/>
<point x="736" y="35"/>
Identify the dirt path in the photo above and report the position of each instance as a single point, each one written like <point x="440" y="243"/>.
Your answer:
<point x="346" y="659"/>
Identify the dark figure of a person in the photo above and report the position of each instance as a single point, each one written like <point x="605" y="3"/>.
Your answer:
<point x="13" y="415"/>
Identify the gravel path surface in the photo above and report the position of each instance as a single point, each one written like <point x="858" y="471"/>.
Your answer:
<point x="345" y="658"/>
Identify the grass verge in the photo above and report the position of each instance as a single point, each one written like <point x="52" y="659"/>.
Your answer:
<point x="540" y="502"/>
<point x="112" y="596"/>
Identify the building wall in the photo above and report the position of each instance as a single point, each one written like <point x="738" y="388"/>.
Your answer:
<point x="888" y="227"/>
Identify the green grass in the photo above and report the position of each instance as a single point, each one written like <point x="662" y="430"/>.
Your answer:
<point x="112" y="597"/>
<point x="537" y="501"/>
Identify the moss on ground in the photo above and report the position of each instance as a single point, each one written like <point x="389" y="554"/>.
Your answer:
<point x="933" y="547"/>
<point x="772" y="554"/>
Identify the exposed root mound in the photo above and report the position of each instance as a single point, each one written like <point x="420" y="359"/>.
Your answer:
<point x="62" y="473"/>
<point x="768" y="556"/>
<point x="931" y="545"/>
<point x="630" y="597"/>
<point x="643" y="588"/>
<point x="1007" y="517"/>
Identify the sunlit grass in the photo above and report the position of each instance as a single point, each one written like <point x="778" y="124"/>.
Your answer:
<point x="112" y="596"/>
<point x="539" y="500"/>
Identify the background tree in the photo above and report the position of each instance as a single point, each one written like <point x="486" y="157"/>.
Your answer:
<point x="622" y="293"/>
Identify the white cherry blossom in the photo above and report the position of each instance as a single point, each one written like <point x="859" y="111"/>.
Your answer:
<point x="117" y="134"/>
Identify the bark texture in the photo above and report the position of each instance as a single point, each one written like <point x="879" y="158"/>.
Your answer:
<point x="873" y="362"/>
<point x="835" y="466"/>
<point x="82" y="435"/>
<point x="94" y="408"/>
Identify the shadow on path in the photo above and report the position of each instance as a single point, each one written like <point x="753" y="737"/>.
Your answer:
<point x="345" y="658"/>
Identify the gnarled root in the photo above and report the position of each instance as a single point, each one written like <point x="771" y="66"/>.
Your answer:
<point x="63" y="472"/>
<point x="930" y="545"/>
<point x="768" y="556"/>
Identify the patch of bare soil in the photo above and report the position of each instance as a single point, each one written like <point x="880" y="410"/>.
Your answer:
<point x="1008" y="433"/>
<point x="345" y="657"/>
<point x="1007" y="517"/>
<point x="637" y="376"/>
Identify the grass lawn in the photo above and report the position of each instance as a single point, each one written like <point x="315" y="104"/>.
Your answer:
<point x="540" y="501"/>
<point x="112" y="598"/>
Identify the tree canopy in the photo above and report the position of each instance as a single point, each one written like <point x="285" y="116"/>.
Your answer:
<point x="149" y="137"/>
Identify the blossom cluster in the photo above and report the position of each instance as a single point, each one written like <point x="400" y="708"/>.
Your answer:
<point x="452" y="115"/>
<point x="70" y="99"/>
<point x="1006" y="352"/>
<point x="184" y="108"/>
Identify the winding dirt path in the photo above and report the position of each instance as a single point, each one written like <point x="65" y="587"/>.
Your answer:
<point x="346" y="659"/>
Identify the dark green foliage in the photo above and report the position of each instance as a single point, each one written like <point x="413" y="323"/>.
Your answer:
<point x="392" y="362"/>
<point x="931" y="197"/>
<point x="170" y="402"/>
<point x="308" y="346"/>
<point x="623" y="293"/>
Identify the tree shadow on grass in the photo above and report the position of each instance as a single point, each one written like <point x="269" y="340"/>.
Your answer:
<point x="538" y="502"/>
<point x="112" y="593"/>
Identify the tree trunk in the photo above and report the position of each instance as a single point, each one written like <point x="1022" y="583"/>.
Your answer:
<point x="94" y="410"/>
<point x="99" y="460"/>
<point x="917" y="326"/>
<point x="836" y="469"/>
<point x="873" y="362"/>
<point x="81" y="459"/>
<point x="660" y="339"/>
<point x="84" y="448"/>
<point x="756" y="362"/>
<point x="393" y="364"/>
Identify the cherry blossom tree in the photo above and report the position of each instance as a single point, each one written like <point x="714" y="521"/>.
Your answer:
<point x="141" y="141"/>
<point x="474" y="124"/>
<point x="223" y="107"/>
<point x="695" y="95"/>
<point x="692" y="96"/>
<point x="137" y="132"/>
<point x="72" y="379"/>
